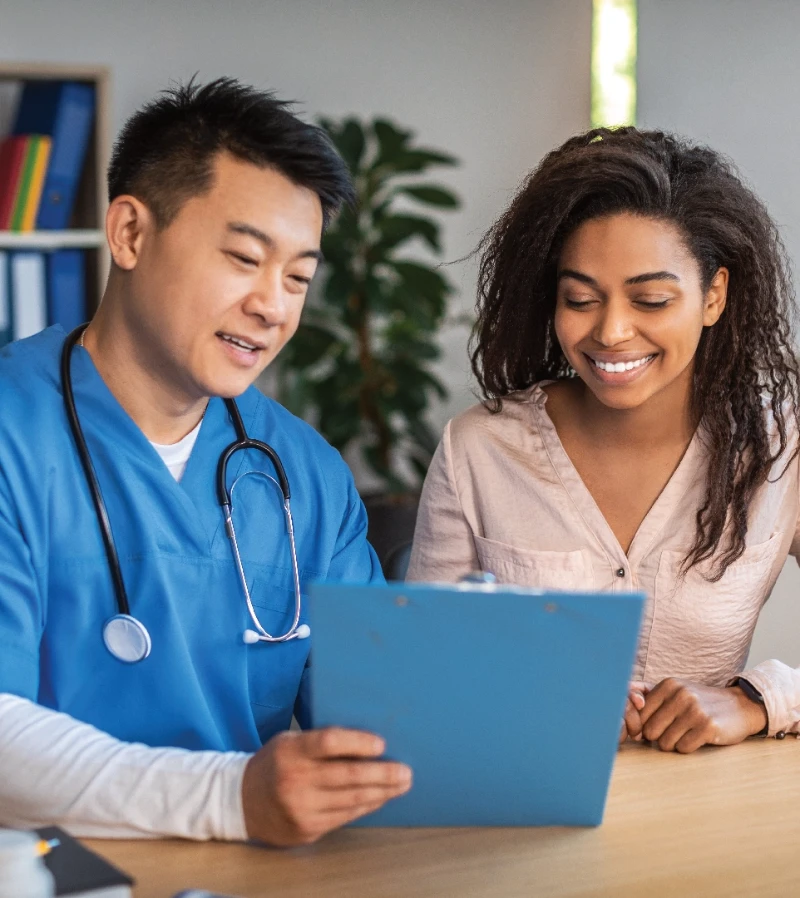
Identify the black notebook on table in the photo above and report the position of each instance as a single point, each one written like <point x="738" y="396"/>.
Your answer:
<point x="79" y="872"/>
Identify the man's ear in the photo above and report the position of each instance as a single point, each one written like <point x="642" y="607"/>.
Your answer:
<point x="716" y="298"/>
<point x="128" y="220"/>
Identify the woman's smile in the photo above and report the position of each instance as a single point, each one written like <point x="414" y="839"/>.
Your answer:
<point x="618" y="369"/>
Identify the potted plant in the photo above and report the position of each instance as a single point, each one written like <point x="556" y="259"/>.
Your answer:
<point x="360" y="365"/>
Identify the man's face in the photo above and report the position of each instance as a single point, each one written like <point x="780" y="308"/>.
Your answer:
<point x="218" y="293"/>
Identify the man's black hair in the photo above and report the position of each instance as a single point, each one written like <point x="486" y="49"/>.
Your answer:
<point x="165" y="153"/>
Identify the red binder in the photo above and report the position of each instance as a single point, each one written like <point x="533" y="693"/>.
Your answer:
<point x="12" y="158"/>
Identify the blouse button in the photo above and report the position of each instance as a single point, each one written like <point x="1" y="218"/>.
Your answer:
<point x="621" y="572"/>
<point x="780" y="735"/>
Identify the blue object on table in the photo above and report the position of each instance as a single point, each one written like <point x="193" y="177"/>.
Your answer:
<point x="506" y="702"/>
<point x="64" y="110"/>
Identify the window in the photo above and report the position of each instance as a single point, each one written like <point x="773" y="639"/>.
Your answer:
<point x="614" y="63"/>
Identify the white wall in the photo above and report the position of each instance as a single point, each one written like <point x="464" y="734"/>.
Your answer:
<point x="727" y="72"/>
<point x="497" y="84"/>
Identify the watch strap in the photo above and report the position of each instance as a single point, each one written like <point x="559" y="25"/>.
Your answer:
<point x="754" y="695"/>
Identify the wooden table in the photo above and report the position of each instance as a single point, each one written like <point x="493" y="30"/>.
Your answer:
<point x="723" y="821"/>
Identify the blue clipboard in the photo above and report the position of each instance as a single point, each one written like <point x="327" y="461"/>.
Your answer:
<point x="506" y="702"/>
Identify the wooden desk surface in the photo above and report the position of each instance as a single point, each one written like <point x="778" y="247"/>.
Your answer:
<point x="720" y="822"/>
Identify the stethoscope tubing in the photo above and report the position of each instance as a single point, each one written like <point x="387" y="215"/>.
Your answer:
<point x="88" y="469"/>
<point x="244" y="442"/>
<point x="224" y="496"/>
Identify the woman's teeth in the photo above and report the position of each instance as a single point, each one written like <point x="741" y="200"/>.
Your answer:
<point x="619" y="367"/>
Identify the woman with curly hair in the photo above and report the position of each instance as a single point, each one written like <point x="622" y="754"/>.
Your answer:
<point x="639" y="423"/>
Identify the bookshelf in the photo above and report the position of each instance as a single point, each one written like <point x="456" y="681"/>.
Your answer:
<point x="86" y="228"/>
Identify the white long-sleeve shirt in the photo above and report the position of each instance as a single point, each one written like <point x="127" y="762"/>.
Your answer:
<point x="57" y="770"/>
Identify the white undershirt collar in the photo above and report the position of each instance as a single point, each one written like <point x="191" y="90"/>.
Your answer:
<point x="176" y="455"/>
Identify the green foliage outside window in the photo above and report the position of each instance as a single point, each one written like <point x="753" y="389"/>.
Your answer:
<point x="614" y="53"/>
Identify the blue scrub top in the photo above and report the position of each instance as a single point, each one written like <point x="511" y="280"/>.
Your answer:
<point x="201" y="687"/>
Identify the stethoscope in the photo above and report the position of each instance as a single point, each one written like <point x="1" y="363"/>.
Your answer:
<point x="124" y="635"/>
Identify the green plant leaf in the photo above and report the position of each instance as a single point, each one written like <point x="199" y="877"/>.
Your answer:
<point x="378" y="293"/>
<point x="423" y="436"/>
<point x="364" y="375"/>
<point x="414" y="377"/>
<point x="337" y="244"/>
<point x="295" y="393"/>
<point x="423" y="281"/>
<point x="340" y="424"/>
<point x="419" y="349"/>
<point x="420" y="466"/>
<point x="337" y="399"/>
<point x="309" y="345"/>
<point x="413" y="161"/>
<point x="339" y="287"/>
<point x="423" y="312"/>
<point x="343" y="236"/>
<point x="396" y="229"/>
<point x="432" y="195"/>
<point x="350" y="142"/>
<point x="393" y="483"/>
<point x="391" y="142"/>
<point x="405" y="336"/>
<point x="409" y="401"/>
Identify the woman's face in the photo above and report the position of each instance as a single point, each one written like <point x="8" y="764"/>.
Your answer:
<point x="630" y="308"/>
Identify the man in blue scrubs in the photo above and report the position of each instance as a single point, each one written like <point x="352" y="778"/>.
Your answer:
<point x="218" y="198"/>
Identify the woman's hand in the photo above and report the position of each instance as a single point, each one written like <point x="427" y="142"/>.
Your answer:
<point x="632" y="722"/>
<point x="682" y="716"/>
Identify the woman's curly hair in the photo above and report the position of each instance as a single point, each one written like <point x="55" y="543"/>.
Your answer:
<point x="745" y="364"/>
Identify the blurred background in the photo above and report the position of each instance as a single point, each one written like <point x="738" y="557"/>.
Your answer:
<point x="487" y="87"/>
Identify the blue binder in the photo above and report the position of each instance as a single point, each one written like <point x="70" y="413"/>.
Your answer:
<point x="5" y="300"/>
<point x="66" y="288"/>
<point x="507" y="703"/>
<point x="64" y="110"/>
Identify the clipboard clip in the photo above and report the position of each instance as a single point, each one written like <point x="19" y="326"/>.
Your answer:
<point x="482" y="580"/>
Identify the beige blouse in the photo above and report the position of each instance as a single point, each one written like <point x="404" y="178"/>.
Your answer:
<point x="502" y="495"/>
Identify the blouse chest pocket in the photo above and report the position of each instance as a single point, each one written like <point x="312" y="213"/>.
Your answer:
<point x="537" y="569"/>
<point x="702" y="630"/>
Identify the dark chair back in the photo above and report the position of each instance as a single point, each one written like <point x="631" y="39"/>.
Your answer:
<point x="395" y="564"/>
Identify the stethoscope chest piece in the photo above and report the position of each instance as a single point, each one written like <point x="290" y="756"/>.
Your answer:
<point x="126" y="638"/>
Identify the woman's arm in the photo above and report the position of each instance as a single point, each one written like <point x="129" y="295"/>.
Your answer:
<point x="682" y="715"/>
<point x="444" y="548"/>
<point x="779" y="683"/>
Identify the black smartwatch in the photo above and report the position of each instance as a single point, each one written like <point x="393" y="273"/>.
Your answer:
<point x="755" y="696"/>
